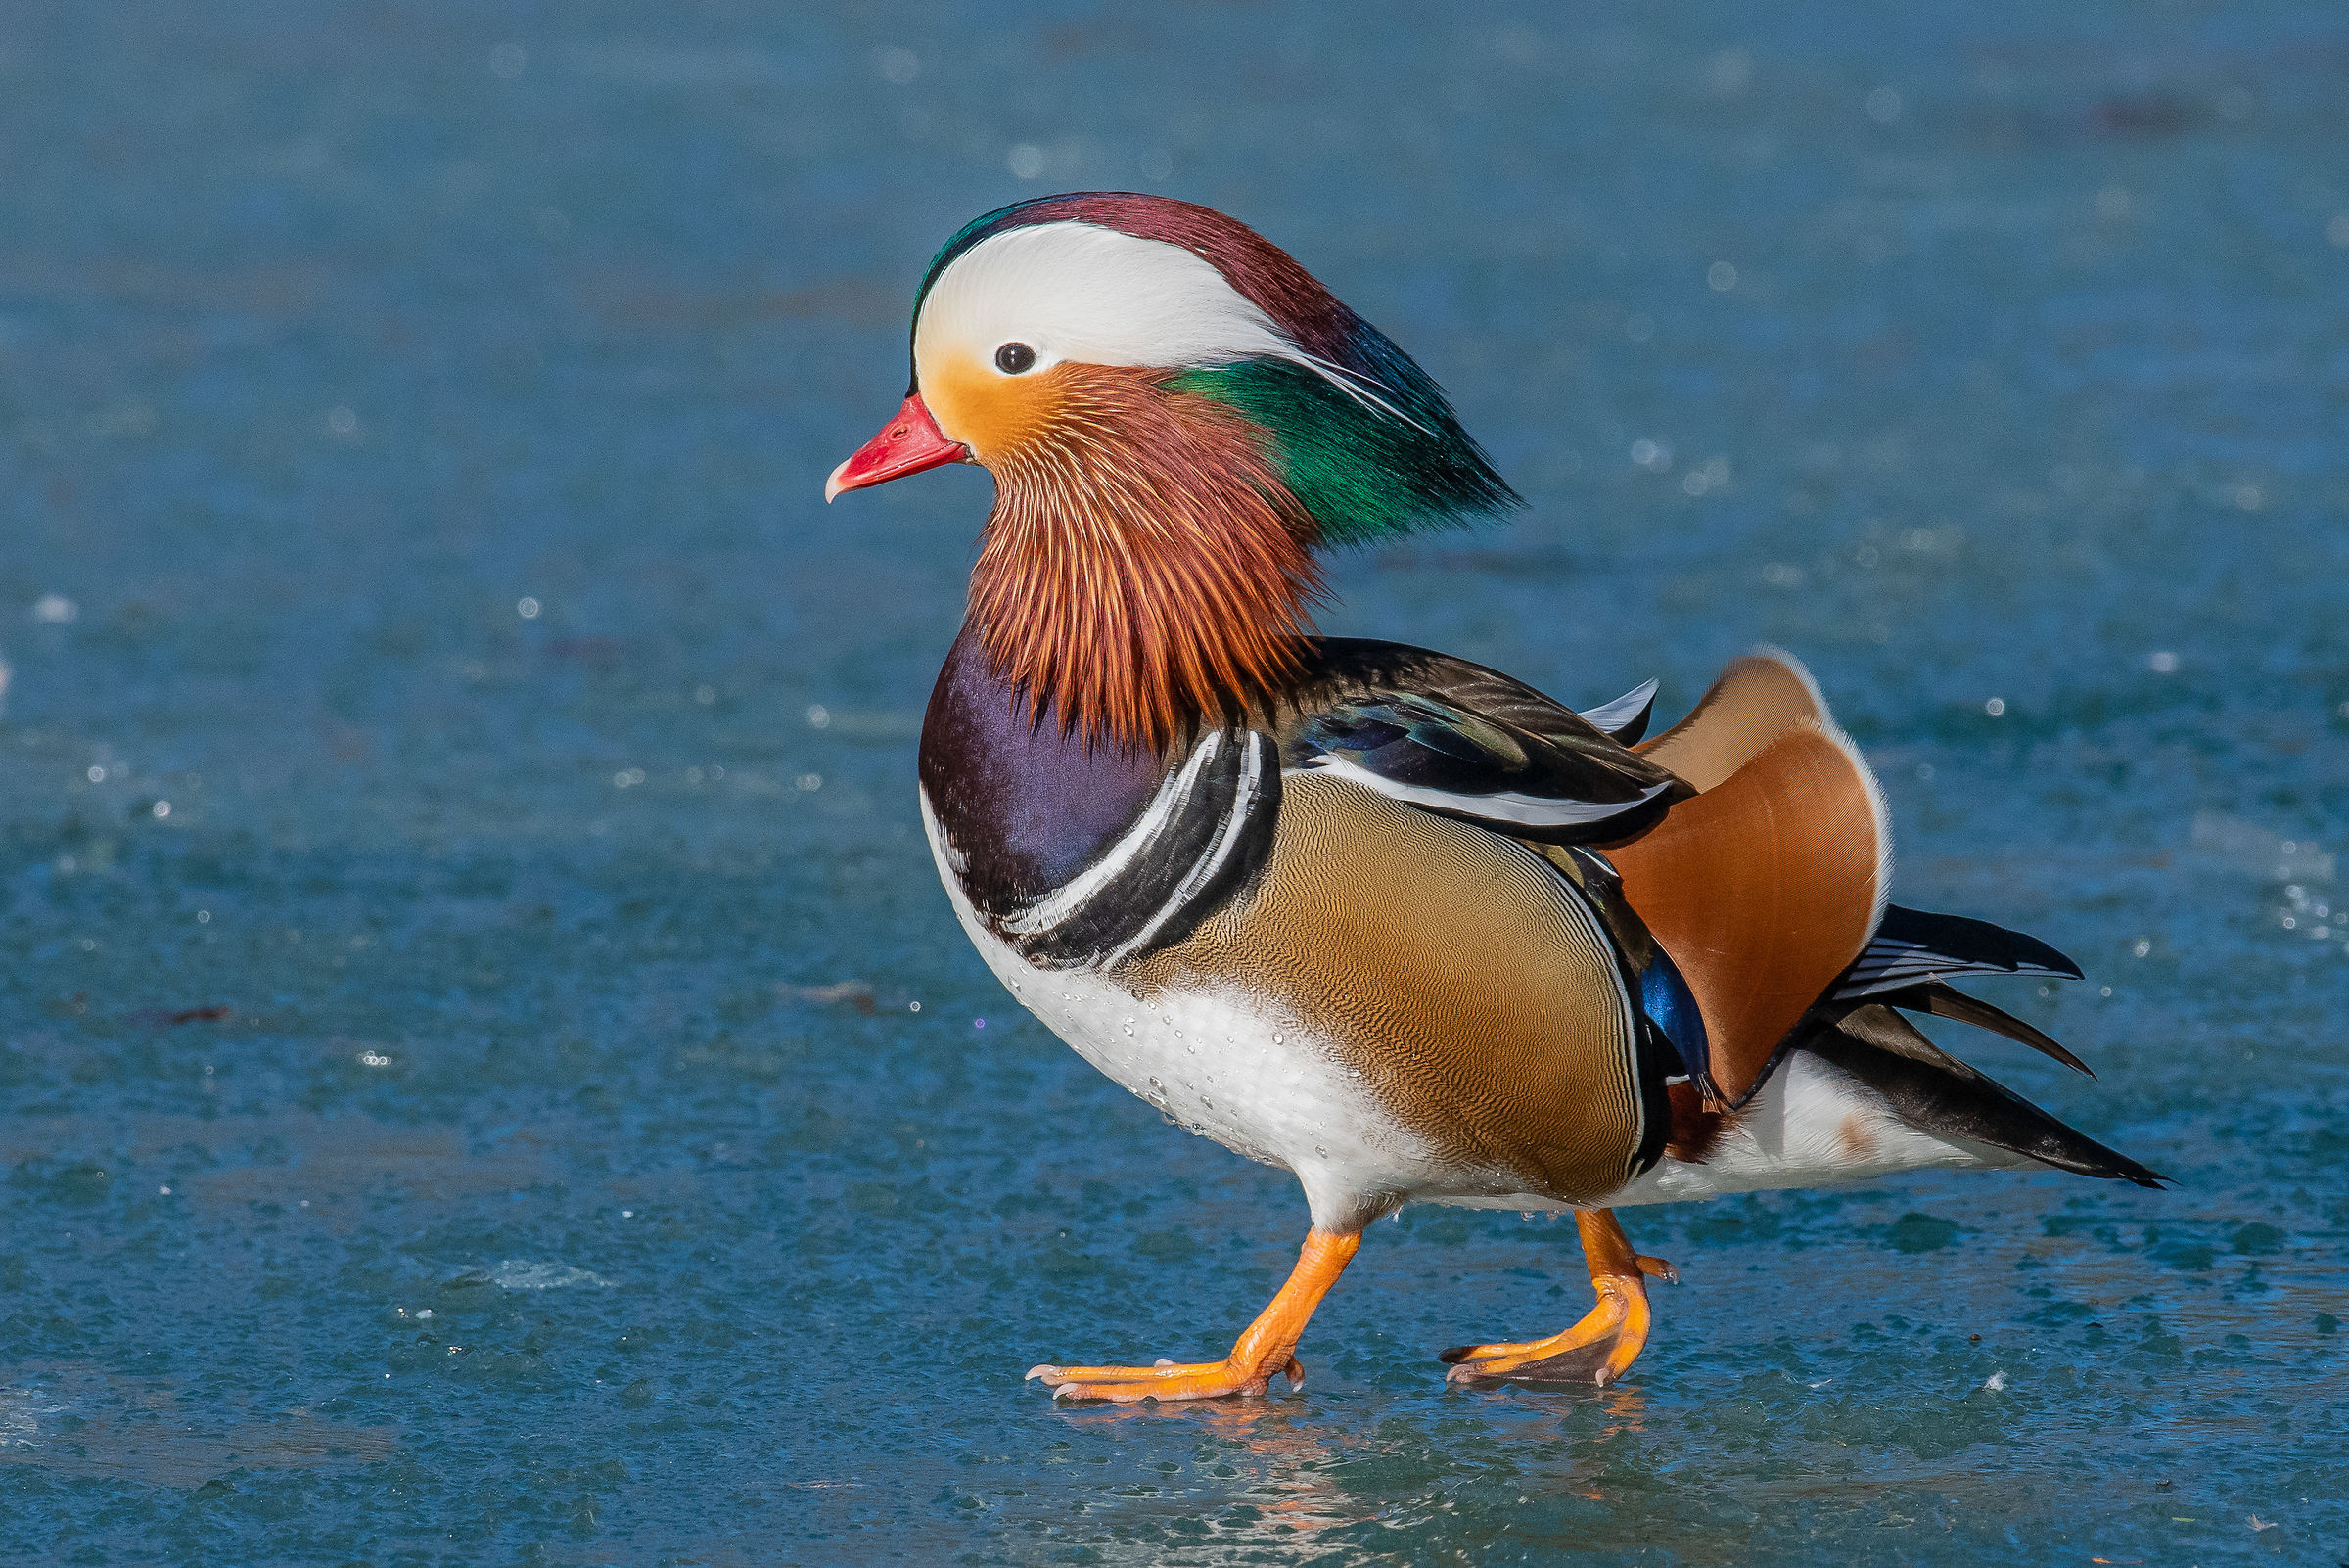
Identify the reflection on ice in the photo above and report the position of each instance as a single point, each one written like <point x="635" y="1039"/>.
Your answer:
<point x="71" y="1417"/>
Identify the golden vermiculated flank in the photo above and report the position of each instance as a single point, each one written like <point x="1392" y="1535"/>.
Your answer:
<point x="1144" y="565"/>
<point x="1451" y="970"/>
<point x="1763" y="889"/>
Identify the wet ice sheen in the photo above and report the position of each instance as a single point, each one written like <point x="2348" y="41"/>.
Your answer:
<point x="518" y="1274"/>
<point x="605" y="309"/>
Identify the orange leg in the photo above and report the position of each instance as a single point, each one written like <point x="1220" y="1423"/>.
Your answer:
<point x="1605" y="1343"/>
<point x="1267" y="1345"/>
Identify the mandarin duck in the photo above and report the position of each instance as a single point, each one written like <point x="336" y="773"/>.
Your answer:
<point x="1396" y="922"/>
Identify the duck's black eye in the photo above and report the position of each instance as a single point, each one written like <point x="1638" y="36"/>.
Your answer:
<point x="1015" y="357"/>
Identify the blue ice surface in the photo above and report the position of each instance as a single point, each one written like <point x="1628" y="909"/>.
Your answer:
<point x="568" y="1176"/>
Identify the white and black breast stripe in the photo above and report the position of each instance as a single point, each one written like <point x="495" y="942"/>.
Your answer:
<point x="1205" y="833"/>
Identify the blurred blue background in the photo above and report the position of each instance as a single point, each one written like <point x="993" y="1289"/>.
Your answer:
<point x="461" y="892"/>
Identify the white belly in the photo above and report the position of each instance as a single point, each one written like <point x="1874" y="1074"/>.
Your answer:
<point x="1218" y="1063"/>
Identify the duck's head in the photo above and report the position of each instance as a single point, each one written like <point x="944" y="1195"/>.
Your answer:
<point x="1175" y="414"/>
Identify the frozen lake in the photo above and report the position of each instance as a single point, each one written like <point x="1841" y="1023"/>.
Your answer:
<point x="463" y="906"/>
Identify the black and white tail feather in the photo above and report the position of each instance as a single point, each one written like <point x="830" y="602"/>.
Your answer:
<point x="1912" y="945"/>
<point x="1858" y="1028"/>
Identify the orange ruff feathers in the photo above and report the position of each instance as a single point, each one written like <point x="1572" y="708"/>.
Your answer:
<point x="1144" y="563"/>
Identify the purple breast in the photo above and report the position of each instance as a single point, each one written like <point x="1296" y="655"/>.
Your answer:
<point x="1027" y="806"/>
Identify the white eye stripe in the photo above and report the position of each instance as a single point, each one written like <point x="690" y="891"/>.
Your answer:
<point x="1079" y="292"/>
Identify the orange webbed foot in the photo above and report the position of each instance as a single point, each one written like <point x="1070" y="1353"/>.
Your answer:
<point x="1267" y="1350"/>
<point x="1600" y="1347"/>
<point x="1597" y="1349"/>
<point x="1166" y="1380"/>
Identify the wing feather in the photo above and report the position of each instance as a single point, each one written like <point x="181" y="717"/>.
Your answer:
<point x="1461" y="741"/>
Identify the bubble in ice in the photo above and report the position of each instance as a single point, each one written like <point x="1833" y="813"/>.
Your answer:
<point x="522" y="1273"/>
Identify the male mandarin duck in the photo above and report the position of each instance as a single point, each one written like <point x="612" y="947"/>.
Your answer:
<point x="1391" y="921"/>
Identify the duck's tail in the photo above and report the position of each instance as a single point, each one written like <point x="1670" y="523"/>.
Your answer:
<point x="1768" y="891"/>
<point x="1934" y="1093"/>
